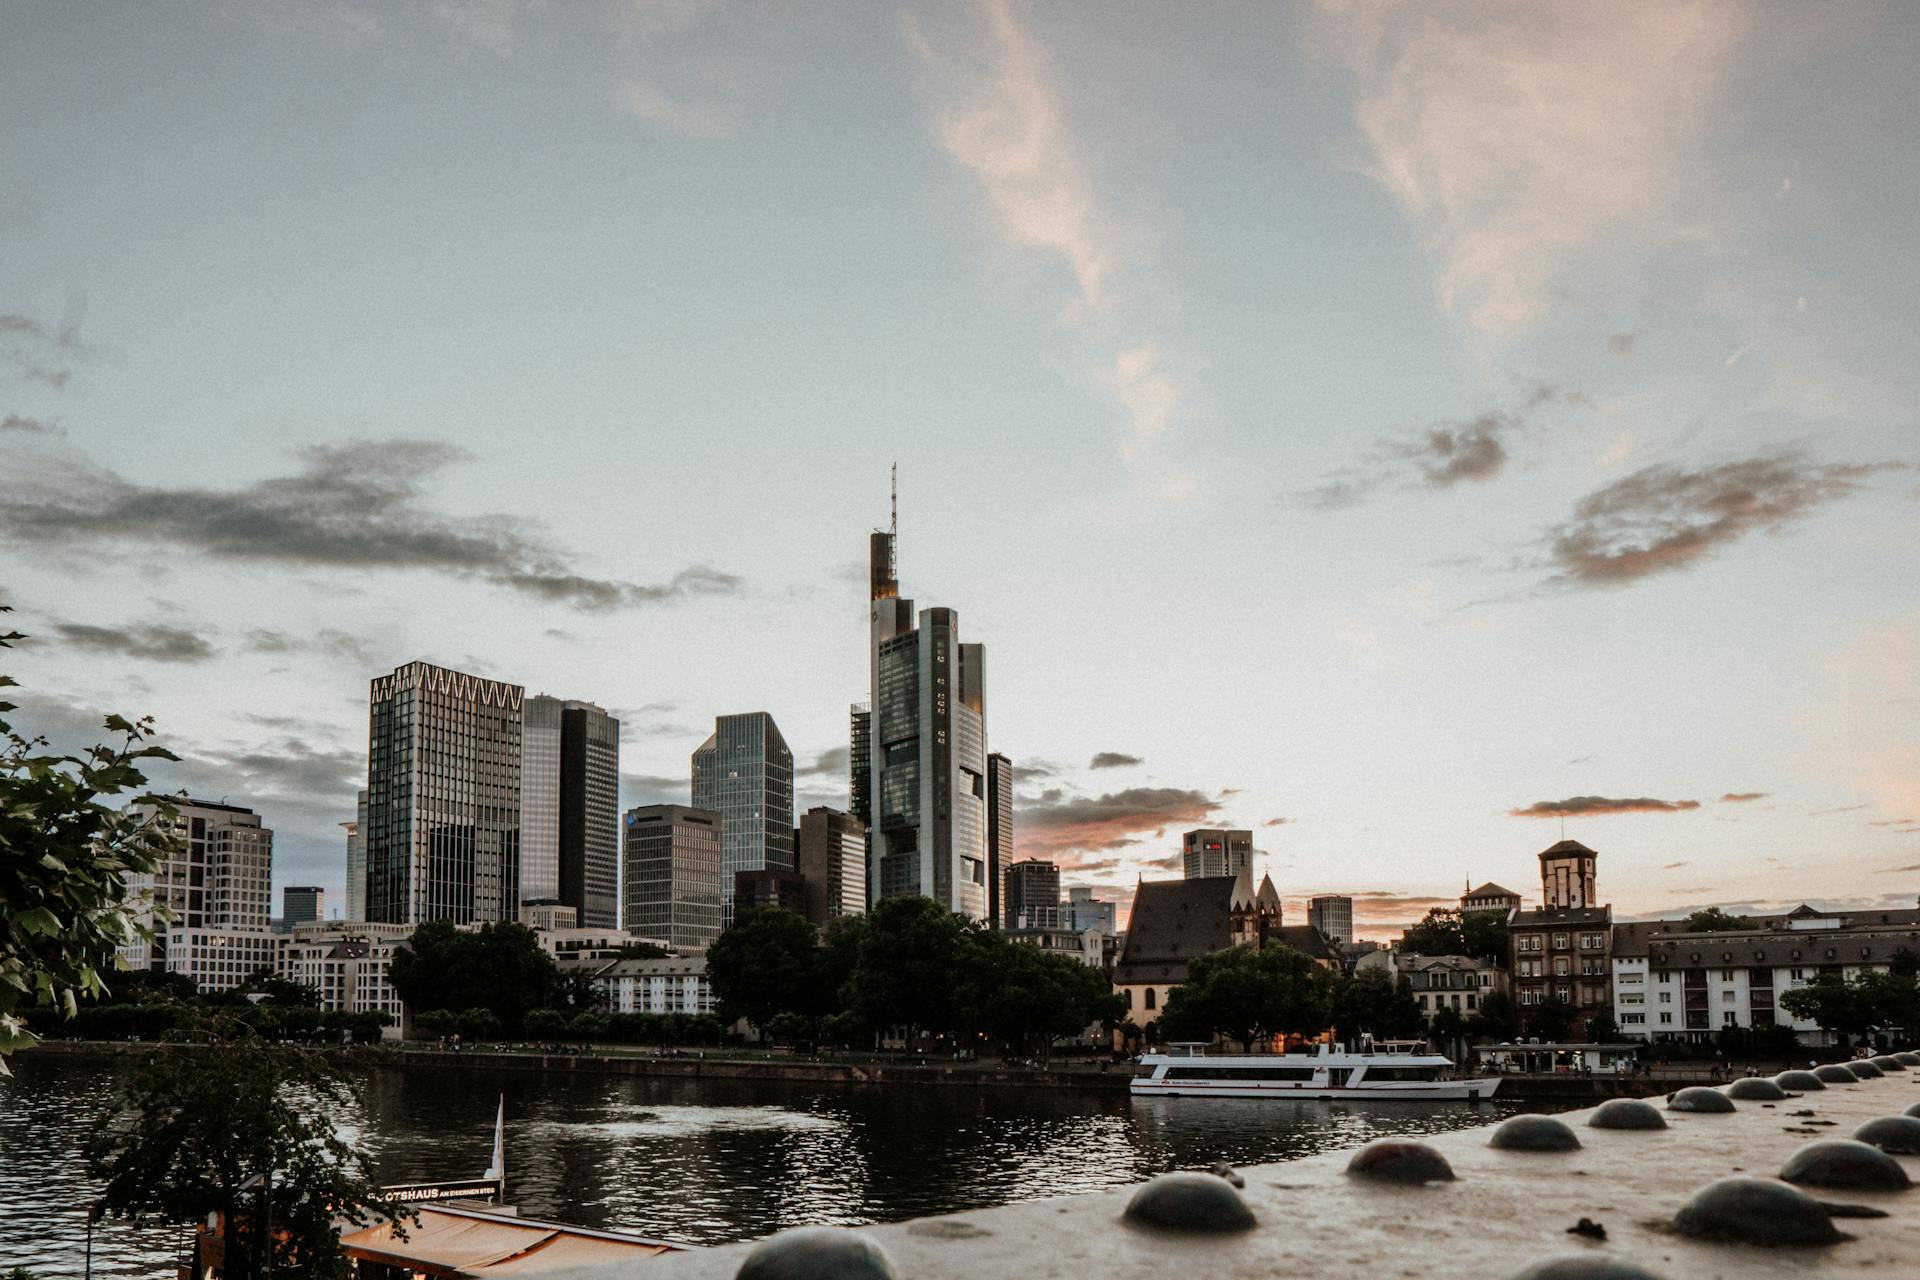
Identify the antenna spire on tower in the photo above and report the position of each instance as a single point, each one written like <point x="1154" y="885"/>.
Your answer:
<point x="893" y="526"/>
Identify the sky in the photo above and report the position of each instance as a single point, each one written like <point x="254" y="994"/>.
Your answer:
<point x="1413" y="432"/>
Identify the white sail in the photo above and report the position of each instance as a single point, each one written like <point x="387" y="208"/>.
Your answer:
<point x="498" y="1169"/>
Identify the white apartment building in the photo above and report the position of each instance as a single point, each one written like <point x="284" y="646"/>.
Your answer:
<point x="210" y="903"/>
<point x="670" y="984"/>
<point x="1671" y="985"/>
<point x="347" y="964"/>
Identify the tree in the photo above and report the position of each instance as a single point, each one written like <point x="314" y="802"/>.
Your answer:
<point x="1025" y="998"/>
<point x="1857" y="1007"/>
<point x="1445" y="931"/>
<point x="499" y="967"/>
<point x="909" y="951"/>
<point x="764" y="966"/>
<point x="1551" y="1021"/>
<point x="193" y="1134"/>
<point x="1448" y="1030"/>
<point x="1602" y="1029"/>
<point x="66" y="858"/>
<point x="1371" y="1001"/>
<point x="1497" y="1019"/>
<point x="544" y="1024"/>
<point x="1714" y="920"/>
<point x="1249" y="995"/>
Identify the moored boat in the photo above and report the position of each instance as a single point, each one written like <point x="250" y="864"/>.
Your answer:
<point x="1330" y="1074"/>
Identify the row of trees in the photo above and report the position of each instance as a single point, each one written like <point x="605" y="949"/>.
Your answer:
<point x="498" y="980"/>
<point x="907" y="964"/>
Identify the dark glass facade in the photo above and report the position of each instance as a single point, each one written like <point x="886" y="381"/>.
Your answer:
<point x="672" y="859"/>
<point x="589" y="829"/>
<point x="443" y="797"/>
<point x="999" y="833"/>
<point x="744" y="772"/>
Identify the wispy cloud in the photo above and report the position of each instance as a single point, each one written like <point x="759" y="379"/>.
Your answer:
<point x="649" y="101"/>
<point x="1666" y="518"/>
<point x="1279" y="822"/>
<point x="1114" y="760"/>
<point x="356" y="505"/>
<point x="1440" y="455"/>
<point x="148" y="642"/>
<point x="27" y="426"/>
<point x="998" y="115"/>
<point x="1589" y="806"/>
<point x="1526" y="142"/>
<point x="1742" y="797"/>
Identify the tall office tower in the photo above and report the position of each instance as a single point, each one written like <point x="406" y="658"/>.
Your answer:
<point x="218" y="888"/>
<point x="860" y="762"/>
<point x="590" y="814"/>
<point x="832" y="849"/>
<point x="999" y="834"/>
<point x="302" y="904"/>
<point x="1332" y="915"/>
<point x="540" y="799"/>
<point x="744" y="772"/>
<point x="673" y="875"/>
<point x="443" y="797"/>
<point x="357" y="860"/>
<point x="927" y="783"/>
<point x="1210" y="852"/>
<point x="1033" y="895"/>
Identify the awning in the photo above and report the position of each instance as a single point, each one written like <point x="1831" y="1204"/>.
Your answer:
<point x="460" y="1242"/>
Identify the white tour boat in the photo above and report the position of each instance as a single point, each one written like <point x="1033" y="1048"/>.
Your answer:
<point x="1384" y="1075"/>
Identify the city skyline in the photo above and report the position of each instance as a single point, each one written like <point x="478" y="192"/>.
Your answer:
<point x="1311" y="466"/>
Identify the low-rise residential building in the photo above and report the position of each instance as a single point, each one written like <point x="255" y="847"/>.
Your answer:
<point x="1088" y="946"/>
<point x="576" y="946"/>
<point x="1562" y="951"/>
<point x="548" y="913"/>
<point x="1671" y="984"/>
<point x="347" y="964"/>
<point x="670" y="984"/>
<point x="1460" y="983"/>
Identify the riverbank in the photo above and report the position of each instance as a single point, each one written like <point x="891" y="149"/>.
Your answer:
<point x="712" y="1065"/>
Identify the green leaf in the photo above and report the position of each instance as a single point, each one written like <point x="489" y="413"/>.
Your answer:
<point x="37" y="920"/>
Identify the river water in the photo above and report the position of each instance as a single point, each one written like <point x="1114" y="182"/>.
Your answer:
<point x="699" y="1162"/>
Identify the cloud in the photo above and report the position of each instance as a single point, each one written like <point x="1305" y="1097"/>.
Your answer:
<point x="1528" y="143"/>
<point x="149" y="642"/>
<point x="1895" y="822"/>
<point x="831" y="763"/>
<point x="998" y="116"/>
<point x="28" y="426"/>
<point x="1059" y="824"/>
<point x="1596" y="805"/>
<point x="1664" y="518"/>
<point x="1845" y="808"/>
<point x="1114" y="760"/>
<point x="1742" y="797"/>
<point x="25" y="343"/>
<point x="648" y="101"/>
<point x="1438" y="456"/>
<point x="1279" y="822"/>
<point x="328" y="641"/>
<point x="649" y="788"/>
<point x="354" y="505"/>
<point x="1674" y="866"/>
<point x="1622" y="344"/>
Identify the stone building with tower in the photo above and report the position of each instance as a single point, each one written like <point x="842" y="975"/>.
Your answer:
<point x="1563" y="951"/>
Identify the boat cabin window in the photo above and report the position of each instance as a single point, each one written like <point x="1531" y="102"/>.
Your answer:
<point x="1376" y="1074"/>
<point x="1239" y="1073"/>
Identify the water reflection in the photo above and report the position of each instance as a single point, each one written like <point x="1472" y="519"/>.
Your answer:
<point x="702" y="1162"/>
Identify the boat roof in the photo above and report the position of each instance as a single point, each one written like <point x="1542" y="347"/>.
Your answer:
<point x="445" y="1241"/>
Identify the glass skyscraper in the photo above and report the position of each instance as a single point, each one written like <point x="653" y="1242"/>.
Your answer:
<point x="590" y="814"/>
<point x="673" y="875"/>
<point x="540" y="800"/>
<point x="744" y="772"/>
<point x="442" y="829"/>
<point x="926" y="750"/>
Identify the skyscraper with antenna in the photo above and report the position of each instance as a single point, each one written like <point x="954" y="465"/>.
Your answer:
<point x="919" y="758"/>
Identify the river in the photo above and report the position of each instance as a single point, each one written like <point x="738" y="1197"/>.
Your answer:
<point x="694" y="1161"/>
